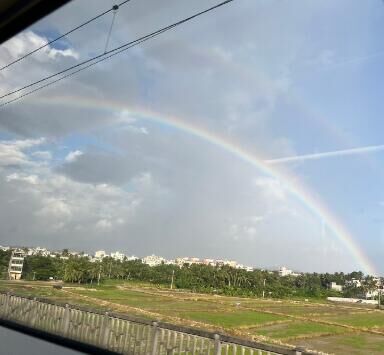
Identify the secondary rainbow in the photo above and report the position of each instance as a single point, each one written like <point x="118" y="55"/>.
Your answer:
<point x="301" y="192"/>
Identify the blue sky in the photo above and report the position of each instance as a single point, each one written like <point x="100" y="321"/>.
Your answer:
<point x="279" y="78"/>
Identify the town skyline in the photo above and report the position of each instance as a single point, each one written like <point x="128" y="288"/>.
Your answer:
<point x="155" y="260"/>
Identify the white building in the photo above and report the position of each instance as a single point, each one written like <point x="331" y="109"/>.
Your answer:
<point x="153" y="260"/>
<point x="209" y="262"/>
<point x="132" y="257"/>
<point x="16" y="263"/>
<point x="243" y="267"/>
<point x="100" y="254"/>
<point x="38" y="251"/>
<point x="170" y="262"/>
<point x="334" y="286"/>
<point x="187" y="260"/>
<point x="283" y="271"/>
<point x="371" y="294"/>
<point x="353" y="282"/>
<point x="118" y="256"/>
<point x="231" y="263"/>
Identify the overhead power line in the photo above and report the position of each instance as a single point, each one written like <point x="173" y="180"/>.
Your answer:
<point x="79" y="70"/>
<point x="102" y="57"/>
<point x="113" y="8"/>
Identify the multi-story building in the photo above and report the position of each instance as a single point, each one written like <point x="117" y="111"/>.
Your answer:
<point x="353" y="282"/>
<point x="191" y="260"/>
<point x="209" y="262"/>
<point x="153" y="260"/>
<point x="334" y="286"/>
<point x="100" y="254"/>
<point x="38" y="251"/>
<point x="118" y="256"/>
<point x="132" y="257"/>
<point x="187" y="260"/>
<point x="283" y="271"/>
<point x="230" y="263"/>
<point x="16" y="263"/>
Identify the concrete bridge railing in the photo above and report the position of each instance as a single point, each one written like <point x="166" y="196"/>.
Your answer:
<point x="123" y="334"/>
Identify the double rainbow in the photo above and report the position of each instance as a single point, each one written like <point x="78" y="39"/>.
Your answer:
<point x="300" y="191"/>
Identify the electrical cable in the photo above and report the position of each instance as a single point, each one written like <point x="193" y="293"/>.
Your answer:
<point x="108" y="54"/>
<point x="63" y="35"/>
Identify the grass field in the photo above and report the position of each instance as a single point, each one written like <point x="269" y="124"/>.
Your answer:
<point x="314" y="324"/>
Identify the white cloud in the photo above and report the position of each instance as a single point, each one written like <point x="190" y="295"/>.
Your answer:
<point x="271" y="187"/>
<point x="43" y="155"/>
<point x="104" y="224"/>
<point x="57" y="204"/>
<point x="134" y="129"/>
<point x="72" y="156"/>
<point x="31" y="179"/>
<point x="12" y="152"/>
<point x="54" y="207"/>
<point x="109" y="223"/>
<point x="27" y="41"/>
<point x="257" y="219"/>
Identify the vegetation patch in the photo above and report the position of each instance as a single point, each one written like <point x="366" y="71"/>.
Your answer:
<point x="349" y="344"/>
<point x="372" y="320"/>
<point x="294" y="322"/>
<point x="231" y="319"/>
<point x="297" y="330"/>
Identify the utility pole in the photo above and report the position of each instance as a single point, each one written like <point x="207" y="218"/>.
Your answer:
<point x="34" y="276"/>
<point x="173" y="275"/>
<point x="264" y="287"/>
<point x="110" y="268"/>
<point x="98" y="278"/>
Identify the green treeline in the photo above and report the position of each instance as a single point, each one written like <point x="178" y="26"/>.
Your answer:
<point x="197" y="278"/>
<point x="4" y="261"/>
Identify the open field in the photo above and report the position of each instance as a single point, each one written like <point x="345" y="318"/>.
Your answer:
<point x="314" y="324"/>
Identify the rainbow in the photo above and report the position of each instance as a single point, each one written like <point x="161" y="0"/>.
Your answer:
<point x="300" y="191"/>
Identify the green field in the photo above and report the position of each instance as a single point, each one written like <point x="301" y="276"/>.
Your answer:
<point x="295" y="330"/>
<point x="314" y="324"/>
<point x="231" y="319"/>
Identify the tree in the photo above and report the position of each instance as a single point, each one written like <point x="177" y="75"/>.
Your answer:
<point x="4" y="262"/>
<point x="39" y="267"/>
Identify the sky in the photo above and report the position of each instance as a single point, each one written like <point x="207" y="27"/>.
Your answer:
<point x="178" y="147"/>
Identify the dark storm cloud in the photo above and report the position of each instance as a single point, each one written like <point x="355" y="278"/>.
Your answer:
<point x="99" y="168"/>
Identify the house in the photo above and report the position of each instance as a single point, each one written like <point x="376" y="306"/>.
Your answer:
<point x="100" y="254"/>
<point x="118" y="256"/>
<point x="283" y="271"/>
<point x="353" y="282"/>
<point x="16" y="263"/>
<point x="153" y="260"/>
<point x="334" y="286"/>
